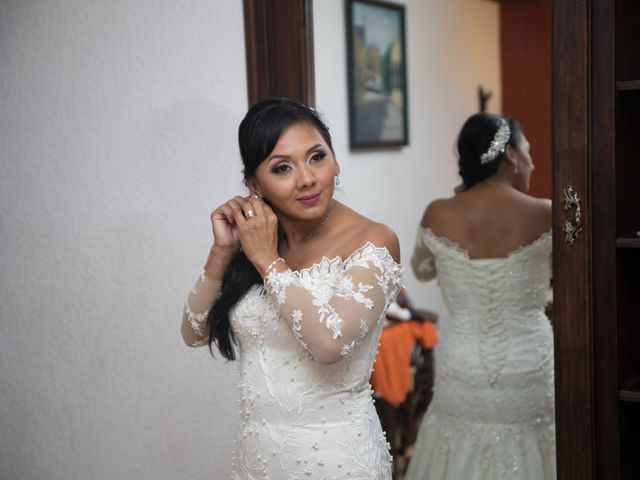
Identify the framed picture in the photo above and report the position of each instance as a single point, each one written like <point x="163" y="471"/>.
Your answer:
<point x="377" y="74"/>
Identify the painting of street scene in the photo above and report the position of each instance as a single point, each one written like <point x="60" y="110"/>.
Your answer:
<point x="377" y="74"/>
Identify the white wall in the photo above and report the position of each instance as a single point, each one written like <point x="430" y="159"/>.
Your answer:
<point x="117" y="136"/>
<point x="452" y="47"/>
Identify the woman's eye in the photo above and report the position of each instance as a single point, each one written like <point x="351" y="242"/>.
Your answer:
<point x="283" y="167"/>
<point x="318" y="156"/>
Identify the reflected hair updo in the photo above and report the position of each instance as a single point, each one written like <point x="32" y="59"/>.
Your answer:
<point x="258" y="134"/>
<point x="475" y="138"/>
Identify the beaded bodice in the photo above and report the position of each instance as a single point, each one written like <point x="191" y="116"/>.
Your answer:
<point x="476" y="288"/>
<point x="492" y="413"/>
<point x="497" y="324"/>
<point x="302" y="418"/>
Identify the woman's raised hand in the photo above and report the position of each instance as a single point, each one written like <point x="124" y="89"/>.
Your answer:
<point x="255" y="225"/>
<point x="226" y="237"/>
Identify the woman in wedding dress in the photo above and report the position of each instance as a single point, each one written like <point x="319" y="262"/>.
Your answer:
<point x="297" y="285"/>
<point x="492" y="413"/>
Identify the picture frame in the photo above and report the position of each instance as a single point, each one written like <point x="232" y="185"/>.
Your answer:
<point x="377" y="74"/>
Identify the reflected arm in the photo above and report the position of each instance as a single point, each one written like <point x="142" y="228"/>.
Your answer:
<point x="423" y="261"/>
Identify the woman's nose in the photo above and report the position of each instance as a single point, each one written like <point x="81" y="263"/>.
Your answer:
<point x="306" y="177"/>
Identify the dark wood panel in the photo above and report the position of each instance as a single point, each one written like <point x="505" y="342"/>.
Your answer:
<point x="628" y="242"/>
<point x="629" y="426"/>
<point x="603" y="194"/>
<point x="573" y="330"/>
<point x="627" y="49"/>
<point x="631" y="391"/>
<point x="627" y="148"/>
<point x="279" y="49"/>
<point x="628" y="306"/>
<point x="629" y="85"/>
<point x="630" y="396"/>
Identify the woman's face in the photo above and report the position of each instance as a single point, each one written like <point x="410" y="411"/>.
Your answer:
<point x="298" y="176"/>
<point x="522" y="177"/>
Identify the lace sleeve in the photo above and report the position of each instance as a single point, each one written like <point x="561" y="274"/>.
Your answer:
<point x="194" y="329"/>
<point x="423" y="261"/>
<point x="332" y="314"/>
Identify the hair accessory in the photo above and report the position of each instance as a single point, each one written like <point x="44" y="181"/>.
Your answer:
<point x="273" y="264"/>
<point x="498" y="143"/>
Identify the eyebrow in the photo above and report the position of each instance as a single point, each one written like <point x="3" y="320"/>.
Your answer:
<point x="273" y="157"/>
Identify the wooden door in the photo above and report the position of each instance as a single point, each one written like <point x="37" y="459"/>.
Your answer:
<point x="573" y="326"/>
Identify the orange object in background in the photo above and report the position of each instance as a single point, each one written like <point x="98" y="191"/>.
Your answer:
<point x="391" y="377"/>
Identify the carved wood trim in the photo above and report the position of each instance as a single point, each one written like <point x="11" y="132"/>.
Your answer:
<point x="279" y="49"/>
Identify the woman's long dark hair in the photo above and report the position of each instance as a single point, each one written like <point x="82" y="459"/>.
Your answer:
<point x="474" y="139"/>
<point x="258" y="134"/>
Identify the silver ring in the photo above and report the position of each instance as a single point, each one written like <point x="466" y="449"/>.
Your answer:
<point x="249" y="214"/>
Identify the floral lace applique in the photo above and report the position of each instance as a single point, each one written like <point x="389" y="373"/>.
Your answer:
<point x="196" y="320"/>
<point x="346" y="298"/>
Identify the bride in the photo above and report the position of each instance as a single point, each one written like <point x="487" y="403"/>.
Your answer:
<point x="296" y="285"/>
<point x="492" y="413"/>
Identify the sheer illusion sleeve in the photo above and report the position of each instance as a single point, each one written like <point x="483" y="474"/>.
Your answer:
<point x="194" y="329"/>
<point x="332" y="314"/>
<point x="423" y="261"/>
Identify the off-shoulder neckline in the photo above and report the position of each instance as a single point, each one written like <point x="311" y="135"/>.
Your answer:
<point x="457" y="248"/>
<point x="336" y="261"/>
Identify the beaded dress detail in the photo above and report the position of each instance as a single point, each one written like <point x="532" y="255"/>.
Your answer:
<point x="492" y="413"/>
<point x="307" y="343"/>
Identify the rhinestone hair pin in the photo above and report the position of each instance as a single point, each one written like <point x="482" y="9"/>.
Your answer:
<point x="498" y="143"/>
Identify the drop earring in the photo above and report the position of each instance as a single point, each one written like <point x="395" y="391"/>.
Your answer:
<point x="337" y="180"/>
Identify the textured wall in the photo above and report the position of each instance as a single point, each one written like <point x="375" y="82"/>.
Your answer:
<point x="452" y="47"/>
<point x="117" y="136"/>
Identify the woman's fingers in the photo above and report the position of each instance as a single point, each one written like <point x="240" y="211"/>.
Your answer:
<point x="223" y="211"/>
<point x="262" y="208"/>
<point x="255" y="205"/>
<point x="240" y="209"/>
<point x="246" y="212"/>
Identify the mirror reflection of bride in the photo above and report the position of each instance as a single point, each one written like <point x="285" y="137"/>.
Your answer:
<point x="492" y="413"/>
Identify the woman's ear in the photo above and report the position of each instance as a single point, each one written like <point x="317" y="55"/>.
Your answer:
<point x="510" y="155"/>
<point x="253" y="187"/>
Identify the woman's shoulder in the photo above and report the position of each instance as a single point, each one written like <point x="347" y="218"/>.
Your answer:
<point x="541" y="204"/>
<point x="538" y="210"/>
<point x="382" y="235"/>
<point x="436" y="210"/>
<point x="360" y="230"/>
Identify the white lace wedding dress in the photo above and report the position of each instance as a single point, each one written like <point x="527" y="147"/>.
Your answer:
<point x="492" y="413"/>
<point x="307" y="342"/>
